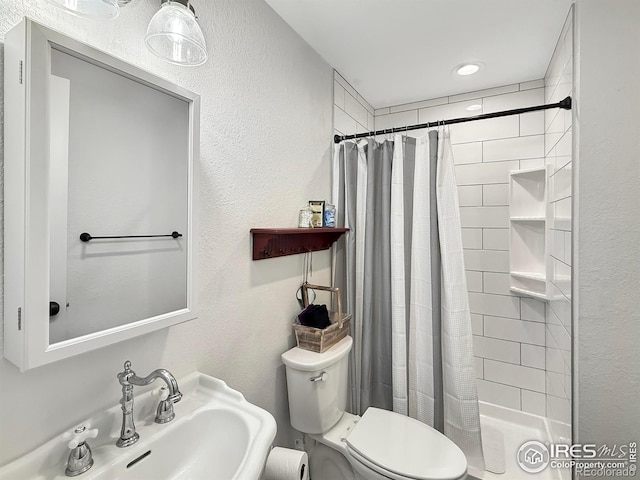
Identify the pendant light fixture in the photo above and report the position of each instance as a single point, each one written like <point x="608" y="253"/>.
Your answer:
<point x="174" y="35"/>
<point x="95" y="9"/>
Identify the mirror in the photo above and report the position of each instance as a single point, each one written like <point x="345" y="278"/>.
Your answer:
<point x="99" y="230"/>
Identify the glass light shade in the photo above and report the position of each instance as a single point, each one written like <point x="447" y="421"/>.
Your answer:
<point x="174" y="35"/>
<point x="96" y="9"/>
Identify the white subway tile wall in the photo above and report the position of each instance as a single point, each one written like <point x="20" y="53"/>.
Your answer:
<point x="558" y="84"/>
<point x="495" y="238"/>
<point x="510" y="332"/>
<point x="351" y="112"/>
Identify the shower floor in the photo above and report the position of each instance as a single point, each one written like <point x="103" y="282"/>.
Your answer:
<point x="517" y="428"/>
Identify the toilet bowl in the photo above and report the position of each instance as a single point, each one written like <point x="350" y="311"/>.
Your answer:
<point x="380" y="445"/>
<point x="329" y="464"/>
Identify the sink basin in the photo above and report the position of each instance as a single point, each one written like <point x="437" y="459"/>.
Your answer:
<point x="216" y="435"/>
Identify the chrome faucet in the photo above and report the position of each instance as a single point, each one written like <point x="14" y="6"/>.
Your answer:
<point x="164" y="413"/>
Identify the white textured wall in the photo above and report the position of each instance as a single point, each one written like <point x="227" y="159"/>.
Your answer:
<point x="607" y="222"/>
<point x="557" y="138"/>
<point x="266" y="139"/>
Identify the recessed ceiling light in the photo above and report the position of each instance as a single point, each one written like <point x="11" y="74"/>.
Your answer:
<point x="474" y="107"/>
<point x="468" y="68"/>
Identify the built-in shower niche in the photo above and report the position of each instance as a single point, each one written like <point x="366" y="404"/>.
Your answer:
<point x="528" y="194"/>
<point x="528" y="234"/>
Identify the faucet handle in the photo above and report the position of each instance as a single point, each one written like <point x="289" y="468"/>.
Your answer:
<point x="80" y="457"/>
<point x="79" y="435"/>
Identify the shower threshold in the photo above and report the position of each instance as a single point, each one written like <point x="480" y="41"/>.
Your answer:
<point x="504" y="430"/>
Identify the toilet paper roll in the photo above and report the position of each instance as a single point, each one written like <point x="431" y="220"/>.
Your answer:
<point x="286" y="464"/>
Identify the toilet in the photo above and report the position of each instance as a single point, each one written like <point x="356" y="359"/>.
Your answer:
<point x="380" y="445"/>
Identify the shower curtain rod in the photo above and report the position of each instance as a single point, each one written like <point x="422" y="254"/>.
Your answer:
<point x="564" y="104"/>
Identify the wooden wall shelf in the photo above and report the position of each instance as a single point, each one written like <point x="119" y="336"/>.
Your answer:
<point x="278" y="242"/>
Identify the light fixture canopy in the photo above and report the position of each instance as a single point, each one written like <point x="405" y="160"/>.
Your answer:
<point x="474" y="107"/>
<point x="468" y="68"/>
<point x="94" y="9"/>
<point x="174" y="35"/>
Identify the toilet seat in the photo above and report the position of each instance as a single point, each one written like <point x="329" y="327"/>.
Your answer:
<point x="402" y="448"/>
<point x="355" y="457"/>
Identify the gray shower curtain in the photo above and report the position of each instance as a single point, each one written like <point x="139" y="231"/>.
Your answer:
<point x="412" y="340"/>
<point x="371" y="357"/>
<point x="363" y="174"/>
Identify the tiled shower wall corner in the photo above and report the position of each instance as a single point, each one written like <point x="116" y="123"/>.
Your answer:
<point x="351" y="112"/>
<point x="558" y="84"/>
<point x="509" y="331"/>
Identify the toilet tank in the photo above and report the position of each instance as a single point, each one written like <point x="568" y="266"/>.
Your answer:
<point x="317" y="386"/>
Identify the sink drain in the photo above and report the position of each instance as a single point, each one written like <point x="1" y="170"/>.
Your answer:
<point x="136" y="460"/>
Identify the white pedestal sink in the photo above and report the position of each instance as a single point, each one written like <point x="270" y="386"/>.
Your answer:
<point x="216" y="435"/>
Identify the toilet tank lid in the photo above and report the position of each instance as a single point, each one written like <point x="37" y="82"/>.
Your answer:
<point x="308" y="361"/>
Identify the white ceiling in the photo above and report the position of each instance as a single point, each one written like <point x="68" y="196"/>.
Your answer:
<point x="401" y="51"/>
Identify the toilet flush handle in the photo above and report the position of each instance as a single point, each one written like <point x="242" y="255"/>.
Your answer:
<point x="319" y="378"/>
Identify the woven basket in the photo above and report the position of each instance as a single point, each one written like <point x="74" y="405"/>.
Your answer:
<point x="320" y="340"/>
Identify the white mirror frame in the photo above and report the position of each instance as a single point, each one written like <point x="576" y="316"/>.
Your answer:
<point x="26" y="222"/>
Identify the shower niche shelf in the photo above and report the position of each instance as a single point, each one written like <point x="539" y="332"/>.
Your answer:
<point x="529" y="233"/>
<point x="279" y="242"/>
